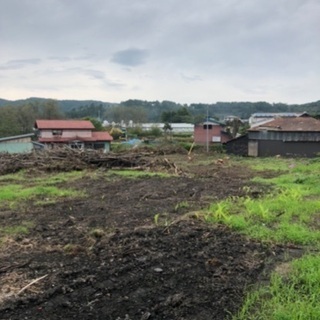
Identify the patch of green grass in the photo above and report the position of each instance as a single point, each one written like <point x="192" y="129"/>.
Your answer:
<point x="15" y="230"/>
<point x="181" y="205"/>
<point x="161" y="219"/>
<point x="288" y="215"/>
<point x="97" y="233"/>
<point x="19" y="192"/>
<point x="12" y="177"/>
<point x="63" y="177"/>
<point x="293" y="296"/>
<point x="48" y="179"/>
<point x="15" y="194"/>
<point x="73" y="249"/>
<point x="266" y="164"/>
<point x="10" y="192"/>
<point x="19" y="187"/>
<point x="219" y="212"/>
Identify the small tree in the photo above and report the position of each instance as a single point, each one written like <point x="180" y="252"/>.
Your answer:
<point x="116" y="133"/>
<point x="155" y="131"/>
<point x="234" y="126"/>
<point x="167" y="129"/>
<point x="96" y="123"/>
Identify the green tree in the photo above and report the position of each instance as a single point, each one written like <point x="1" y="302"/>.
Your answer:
<point x="168" y="116"/>
<point x="125" y="113"/>
<point x="155" y="131"/>
<point x="26" y="117"/>
<point x="234" y="126"/>
<point x="167" y="129"/>
<point x="97" y="124"/>
<point x="8" y="123"/>
<point x="182" y="115"/>
<point x="116" y="133"/>
<point x="51" y="111"/>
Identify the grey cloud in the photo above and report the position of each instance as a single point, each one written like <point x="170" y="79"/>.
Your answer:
<point x="114" y="84"/>
<point x="190" y="78"/>
<point x="18" y="64"/>
<point x="130" y="57"/>
<point x="201" y="40"/>
<point x="95" y="74"/>
<point x="71" y="58"/>
<point x="60" y="59"/>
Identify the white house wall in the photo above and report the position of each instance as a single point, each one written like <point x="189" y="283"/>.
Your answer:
<point x="67" y="133"/>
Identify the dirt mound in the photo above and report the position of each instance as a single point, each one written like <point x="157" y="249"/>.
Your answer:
<point x="66" y="159"/>
<point x="186" y="271"/>
<point x="103" y="256"/>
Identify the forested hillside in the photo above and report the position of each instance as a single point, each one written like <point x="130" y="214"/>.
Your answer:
<point x="17" y="117"/>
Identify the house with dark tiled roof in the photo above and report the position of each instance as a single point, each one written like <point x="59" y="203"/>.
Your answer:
<point x="294" y="136"/>
<point x="261" y="117"/>
<point x="78" y="134"/>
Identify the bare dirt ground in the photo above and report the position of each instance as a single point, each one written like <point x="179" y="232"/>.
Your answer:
<point x="105" y="257"/>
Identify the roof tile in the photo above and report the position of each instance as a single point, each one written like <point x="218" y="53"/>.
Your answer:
<point x="290" y="124"/>
<point x="64" y="124"/>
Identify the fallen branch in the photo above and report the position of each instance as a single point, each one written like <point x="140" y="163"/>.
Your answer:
<point x="30" y="284"/>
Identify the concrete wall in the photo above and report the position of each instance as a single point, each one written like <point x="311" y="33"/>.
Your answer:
<point x="16" y="147"/>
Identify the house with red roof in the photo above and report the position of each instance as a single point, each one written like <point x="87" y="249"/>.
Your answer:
<point x="78" y="134"/>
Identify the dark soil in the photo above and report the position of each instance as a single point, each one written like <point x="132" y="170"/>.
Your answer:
<point x="106" y="256"/>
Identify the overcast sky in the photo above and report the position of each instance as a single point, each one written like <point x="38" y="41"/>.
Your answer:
<point x="187" y="51"/>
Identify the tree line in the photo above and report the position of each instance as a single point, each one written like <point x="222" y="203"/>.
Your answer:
<point x="18" y="117"/>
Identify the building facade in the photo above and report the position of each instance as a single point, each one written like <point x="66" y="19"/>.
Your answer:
<point x="17" y="144"/>
<point x="211" y="132"/>
<point x="299" y="136"/>
<point x="78" y="134"/>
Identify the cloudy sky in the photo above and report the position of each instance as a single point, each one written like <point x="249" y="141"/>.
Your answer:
<point x="187" y="51"/>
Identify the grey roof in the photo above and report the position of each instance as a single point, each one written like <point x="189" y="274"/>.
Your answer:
<point x="275" y="114"/>
<point x="21" y="136"/>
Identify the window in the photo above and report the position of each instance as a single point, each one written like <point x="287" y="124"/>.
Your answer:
<point x="207" y="126"/>
<point x="98" y="146"/>
<point x="56" y="132"/>
<point x="76" y="145"/>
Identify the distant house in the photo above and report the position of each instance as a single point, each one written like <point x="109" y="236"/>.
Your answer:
<point x="298" y="136"/>
<point x="260" y="117"/>
<point x="78" y="134"/>
<point x="211" y="131"/>
<point x="17" y="144"/>
<point x="176" y="127"/>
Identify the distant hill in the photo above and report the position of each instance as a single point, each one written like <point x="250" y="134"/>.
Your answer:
<point x="65" y="105"/>
<point x="153" y="110"/>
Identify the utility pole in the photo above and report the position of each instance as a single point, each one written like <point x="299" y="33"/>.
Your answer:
<point x="207" y="129"/>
